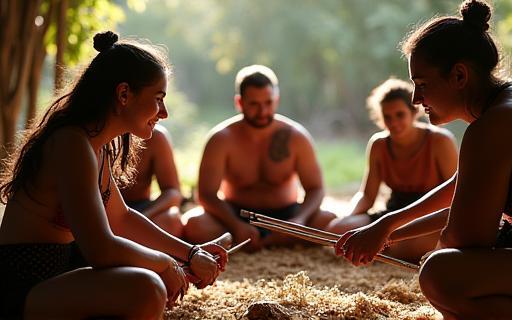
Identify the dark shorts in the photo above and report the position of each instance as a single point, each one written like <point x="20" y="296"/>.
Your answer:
<point x="504" y="238"/>
<point x="398" y="200"/>
<point x="22" y="266"/>
<point x="284" y="213"/>
<point x="139" y="205"/>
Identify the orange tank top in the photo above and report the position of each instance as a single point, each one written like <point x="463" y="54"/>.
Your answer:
<point x="419" y="173"/>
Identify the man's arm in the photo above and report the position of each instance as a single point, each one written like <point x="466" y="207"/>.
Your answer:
<point x="310" y="176"/>
<point x="165" y="171"/>
<point x="211" y="172"/>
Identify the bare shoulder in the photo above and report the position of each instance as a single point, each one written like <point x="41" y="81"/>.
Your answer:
<point x="224" y="133"/>
<point x="297" y="131"/>
<point x="225" y="128"/>
<point x="378" y="140"/>
<point x="160" y="132"/>
<point x="160" y="135"/>
<point x="68" y="139"/>
<point x="69" y="147"/>
<point x="441" y="135"/>
<point x="493" y="124"/>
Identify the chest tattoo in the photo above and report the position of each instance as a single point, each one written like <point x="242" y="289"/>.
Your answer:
<point x="279" y="148"/>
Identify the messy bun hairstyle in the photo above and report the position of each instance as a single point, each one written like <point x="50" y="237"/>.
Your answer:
<point x="88" y="102"/>
<point x="444" y="41"/>
<point x="104" y="40"/>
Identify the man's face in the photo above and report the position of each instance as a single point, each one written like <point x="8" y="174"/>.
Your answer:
<point x="258" y="106"/>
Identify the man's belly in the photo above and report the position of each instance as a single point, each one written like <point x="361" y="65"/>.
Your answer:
<point x="262" y="196"/>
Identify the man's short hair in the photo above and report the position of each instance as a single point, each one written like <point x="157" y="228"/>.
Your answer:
<point x="256" y="76"/>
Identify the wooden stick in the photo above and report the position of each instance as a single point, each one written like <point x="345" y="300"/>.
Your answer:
<point x="238" y="246"/>
<point x="224" y="240"/>
<point x="289" y="225"/>
<point x="313" y="235"/>
<point x="296" y="233"/>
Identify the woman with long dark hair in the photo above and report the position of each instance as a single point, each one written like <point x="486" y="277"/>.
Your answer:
<point x="69" y="246"/>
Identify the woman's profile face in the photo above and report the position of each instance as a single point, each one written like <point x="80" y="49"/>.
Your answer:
<point x="146" y="107"/>
<point x="398" y="117"/>
<point x="434" y="91"/>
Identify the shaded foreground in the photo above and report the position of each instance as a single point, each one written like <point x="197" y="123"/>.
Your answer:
<point x="306" y="283"/>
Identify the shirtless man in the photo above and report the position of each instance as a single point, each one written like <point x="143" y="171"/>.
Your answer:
<point x="256" y="159"/>
<point x="156" y="159"/>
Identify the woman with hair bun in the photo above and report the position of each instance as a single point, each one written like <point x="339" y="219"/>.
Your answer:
<point x="70" y="248"/>
<point x="409" y="156"/>
<point x="453" y="62"/>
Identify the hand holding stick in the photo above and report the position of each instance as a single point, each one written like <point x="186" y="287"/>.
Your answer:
<point x="313" y="235"/>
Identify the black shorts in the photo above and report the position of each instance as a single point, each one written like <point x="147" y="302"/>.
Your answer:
<point x="504" y="238"/>
<point x="139" y="205"/>
<point x="22" y="266"/>
<point x="284" y="213"/>
<point x="398" y="200"/>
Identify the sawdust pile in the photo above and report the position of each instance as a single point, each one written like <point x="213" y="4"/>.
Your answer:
<point x="306" y="283"/>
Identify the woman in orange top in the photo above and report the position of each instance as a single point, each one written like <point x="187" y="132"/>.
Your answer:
<point x="410" y="157"/>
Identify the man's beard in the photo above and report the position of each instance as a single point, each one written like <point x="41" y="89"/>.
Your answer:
<point x="256" y="124"/>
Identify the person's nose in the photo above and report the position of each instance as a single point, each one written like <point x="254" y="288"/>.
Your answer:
<point x="417" y="98"/>
<point x="162" y="111"/>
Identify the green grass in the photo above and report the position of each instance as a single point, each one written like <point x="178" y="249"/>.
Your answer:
<point x="342" y="164"/>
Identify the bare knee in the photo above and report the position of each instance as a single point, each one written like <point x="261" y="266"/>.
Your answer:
<point x="201" y="227"/>
<point x="171" y="222"/>
<point x="147" y="296"/>
<point x="321" y="219"/>
<point x="342" y="225"/>
<point x="437" y="277"/>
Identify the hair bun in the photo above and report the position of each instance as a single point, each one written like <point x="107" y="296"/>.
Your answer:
<point x="476" y="13"/>
<point x="104" y="40"/>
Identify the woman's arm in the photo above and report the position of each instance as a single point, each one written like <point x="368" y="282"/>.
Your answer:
<point x="363" y="200"/>
<point x="438" y="198"/>
<point x="422" y="226"/>
<point x="75" y="166"/>
<point x="130" y="224"/>
<point x="445" y="153"/>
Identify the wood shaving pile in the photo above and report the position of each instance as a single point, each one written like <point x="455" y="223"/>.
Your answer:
<point x="306" y="283"/>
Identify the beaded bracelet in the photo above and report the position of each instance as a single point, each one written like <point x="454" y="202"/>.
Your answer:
<point x="195" y="249"/>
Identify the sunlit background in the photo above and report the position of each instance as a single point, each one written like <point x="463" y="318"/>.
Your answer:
<point x="328" y="54"/>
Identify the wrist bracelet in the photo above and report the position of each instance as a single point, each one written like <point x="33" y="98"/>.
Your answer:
<point x="192" y="252"/>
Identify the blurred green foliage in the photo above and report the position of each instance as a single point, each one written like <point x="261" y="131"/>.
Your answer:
<point x="328" y="55"/>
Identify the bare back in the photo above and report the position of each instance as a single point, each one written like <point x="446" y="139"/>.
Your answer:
<point x="32" y="213"/>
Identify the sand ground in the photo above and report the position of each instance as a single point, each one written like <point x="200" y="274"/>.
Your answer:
<point x="306" y="283"/>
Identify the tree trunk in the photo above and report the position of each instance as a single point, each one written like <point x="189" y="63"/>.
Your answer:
<point x="17" y="40"/>
<point x="61" y="43"/>
<point x="37" y="64"/>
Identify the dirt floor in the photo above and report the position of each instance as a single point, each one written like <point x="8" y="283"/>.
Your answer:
<point x="306" y="283"/>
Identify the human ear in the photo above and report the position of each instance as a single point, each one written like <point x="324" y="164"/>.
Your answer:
<point x="459" y="75"/>
<point x="237" y="100"/>
<point x="122" y="91"/>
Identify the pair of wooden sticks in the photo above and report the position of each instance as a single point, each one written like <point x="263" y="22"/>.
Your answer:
<point x="313" y="235"/>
